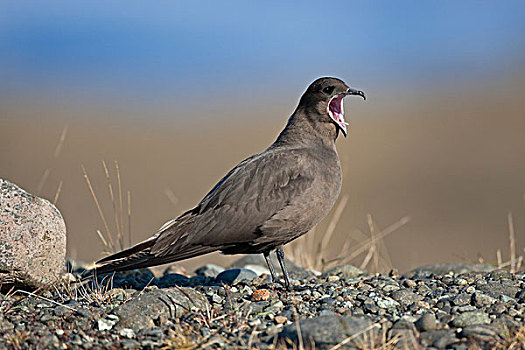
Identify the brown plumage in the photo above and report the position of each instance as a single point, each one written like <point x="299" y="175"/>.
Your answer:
<point x="267" y="200"/>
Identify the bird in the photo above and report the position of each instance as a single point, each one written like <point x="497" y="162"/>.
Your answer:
<point x="267" y="200"/>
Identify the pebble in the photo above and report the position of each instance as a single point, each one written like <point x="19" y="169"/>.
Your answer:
<point x="260" y="295"/>
<point x="233" y="276"/>
<point x="280" y="319"/>
<point x="437" y="311"/>
<point x="470" y="318"/>
<point x="427" y="322"/>
<point x="127" y="333"/>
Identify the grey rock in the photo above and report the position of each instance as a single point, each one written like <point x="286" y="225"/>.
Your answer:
<point x="344" y="271"/>
<point x="456" y="268"/>
<point x="134" y="279"/>
<point x="427" y="322"/>
<point x="172" y="279"/>
<point x="405" y="296"/>
<point x="233" y="276"/>
<point x="470" y="318"/>
<point x="405" y="338"/>
<point x="209" y="270"/>
<point x="129" y="344"/>
<point x="104" y="324"/>
<point x="327" y="331"/>
<point x="438" y="338"/>
<point x="480" y="332"/>
<point x="296" y="271"/>
<point x="461" y="299"/>
<point x="141" y="312"/>
<point x="32" y="239"/>
<point x="387" y="303"/>
<point x="500" y="287"/>
<point x="500" y="274"/>
<point x="5" y="325"/>
<point x="127" y="333"/>
<point x="258" y="269"/>
<point x="481" y="299"/>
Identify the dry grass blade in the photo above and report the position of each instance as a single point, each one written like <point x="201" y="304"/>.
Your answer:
<point x="117" y="202"/>
<point x="171" y="196"/>
<point x="46" y="299"/>
<point x="364" y="246"/>
<point x="60" y="143"/>
<point x="43" y="180"/>
<point x="298" y="327"/>
<point x="353" y="336"/>
<point x="121" y="208"/>
<point x="512" y="240"/>
<point x="99" y="208"/>
<point x="58" y="191"/>
<point x="333" y="223"/>
<point x="129" y="218"/>
<point x="114" y="204"/>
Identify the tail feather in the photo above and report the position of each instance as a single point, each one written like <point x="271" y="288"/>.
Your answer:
<point x="143" y="258"/>
<point x="128" y="252"/>
<point x="164" y="247"/>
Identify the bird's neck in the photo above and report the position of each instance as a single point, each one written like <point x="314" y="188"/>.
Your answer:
<point x="307" y="127"/>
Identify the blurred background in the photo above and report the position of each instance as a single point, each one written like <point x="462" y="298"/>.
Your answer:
<point x="179" y="92"/>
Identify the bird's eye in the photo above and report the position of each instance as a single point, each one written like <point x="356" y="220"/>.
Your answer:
<point x="328" y="89"/>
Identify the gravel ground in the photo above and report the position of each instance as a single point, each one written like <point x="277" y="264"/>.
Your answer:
<point x="235" y="308"/>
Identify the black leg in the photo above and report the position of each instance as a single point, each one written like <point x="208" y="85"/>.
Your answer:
<point x="270" y="266"/>
<point x="280" y="257"/>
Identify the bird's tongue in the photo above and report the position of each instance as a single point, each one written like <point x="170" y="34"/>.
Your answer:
<point x="337" y="113"/>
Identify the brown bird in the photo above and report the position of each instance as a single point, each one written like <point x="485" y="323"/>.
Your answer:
<point x="267" y="200"/>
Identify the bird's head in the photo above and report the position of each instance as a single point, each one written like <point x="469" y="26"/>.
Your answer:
<point x="324" y="98"/>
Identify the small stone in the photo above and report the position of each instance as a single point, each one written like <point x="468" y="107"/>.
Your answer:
<point x="255" y="322"/>
<point x="481" y="299"/>
<point x="498" y="309"/>
<point x="387" y="303"/>
<point x="129" y="344"/>
<point x="209" y="270"/>
<point x="461" y="282"/>
<point x="127" y="333"/>
<point x="480" y="332"/>
<point x="261" y="295"/>
<point x="409" y="283"/>
<point x="470" y="289"/>
<point x="470" y="318"/>
<point x="333" y="278"/>
<point x="316" y="295"/>
<point x="172" y="279"/>
<point x="59" y="332"/>
<point x="427" y="322"/>
<point x="280" y="319"/>
<point x="344" y="272"/>
<point x="499" y="274"/>
<point x="105" y="324"/>
<point x="234" y="276"/>
<point x="390" y="288"/>
<point x="247" y="291"/>
<point x="461" y="299"/>
<point x="156" y="332"/>
<point x="405" y="296"/>
<point x="217" y="299"/>
<point x="258" y="269"/>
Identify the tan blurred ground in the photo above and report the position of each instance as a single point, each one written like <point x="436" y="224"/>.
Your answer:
<point x="453" y="159"/>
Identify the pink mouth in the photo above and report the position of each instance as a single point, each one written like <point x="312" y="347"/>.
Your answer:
<point x="336" y="112"/>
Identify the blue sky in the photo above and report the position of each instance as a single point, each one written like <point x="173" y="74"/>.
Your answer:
<point x="100" y="51"/>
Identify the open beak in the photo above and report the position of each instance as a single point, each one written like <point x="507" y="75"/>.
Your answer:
<point x="351" y="91"/>
<point x="336" y="111"/>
